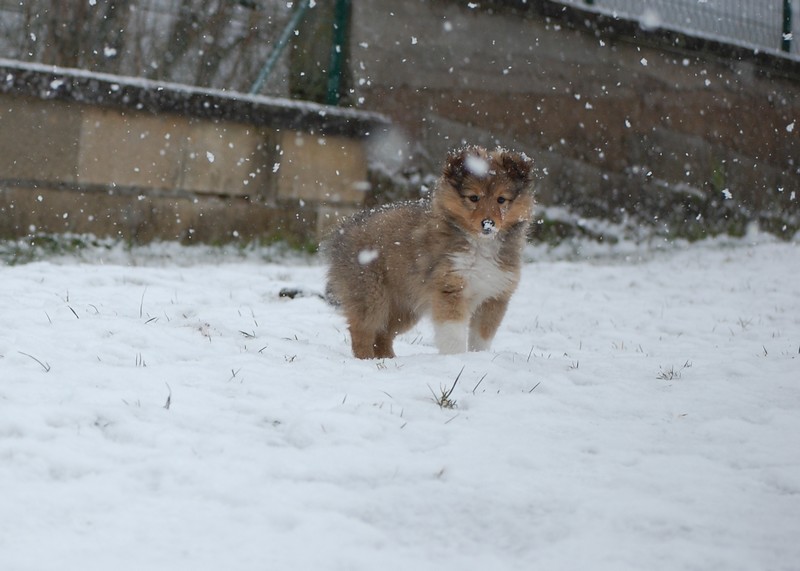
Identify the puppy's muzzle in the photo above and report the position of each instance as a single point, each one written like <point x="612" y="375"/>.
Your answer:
<point x="487" y="226"/>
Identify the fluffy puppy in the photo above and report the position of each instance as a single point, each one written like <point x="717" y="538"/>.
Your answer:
<point x="455" y="257"/>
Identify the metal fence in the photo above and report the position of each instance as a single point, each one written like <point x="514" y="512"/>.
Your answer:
<point x="769" y="25"/>
<point x="210" y="43"/>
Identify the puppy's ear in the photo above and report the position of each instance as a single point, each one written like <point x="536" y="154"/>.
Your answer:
<point x="518" y="167"/>
<point x="455" y="169"/>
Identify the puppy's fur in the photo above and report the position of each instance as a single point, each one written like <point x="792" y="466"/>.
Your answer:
<point x="456" y="256"/>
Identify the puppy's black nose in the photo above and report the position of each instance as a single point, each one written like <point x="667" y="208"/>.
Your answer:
<point x="487" y="226"/>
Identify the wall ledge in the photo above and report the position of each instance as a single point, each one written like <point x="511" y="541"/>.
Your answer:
<point x="120" y="92"/>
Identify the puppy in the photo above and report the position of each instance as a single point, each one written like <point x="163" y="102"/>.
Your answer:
<point x="455" y="257"/>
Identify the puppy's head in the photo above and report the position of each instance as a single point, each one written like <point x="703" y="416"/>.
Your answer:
<point x="486" y="193"/>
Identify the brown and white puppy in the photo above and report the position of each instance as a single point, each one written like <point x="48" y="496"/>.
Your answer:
<point x="455" y="257"/>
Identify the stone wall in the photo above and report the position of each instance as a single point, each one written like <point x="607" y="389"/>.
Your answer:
<point x="113" y="156"/>
<point x="638" y="126"/>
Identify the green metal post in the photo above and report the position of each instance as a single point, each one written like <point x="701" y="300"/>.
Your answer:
<point x="341" y="14"/>
<point x="786" y="36"/>
<point x="280" y="46"/>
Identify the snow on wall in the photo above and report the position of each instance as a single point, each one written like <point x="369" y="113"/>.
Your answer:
<point x="743" y="22"/>
<point x="48" y="82"/>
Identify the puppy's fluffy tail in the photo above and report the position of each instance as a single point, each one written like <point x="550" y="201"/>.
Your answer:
<point x="326" y="249"/>
<point x="331" y="297"/>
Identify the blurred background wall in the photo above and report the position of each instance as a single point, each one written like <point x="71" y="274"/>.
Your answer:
<point x="661" y="115"/>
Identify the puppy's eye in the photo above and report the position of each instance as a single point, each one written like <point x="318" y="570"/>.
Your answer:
<point x="501" y="200"/>
<point x="474" y="198"/>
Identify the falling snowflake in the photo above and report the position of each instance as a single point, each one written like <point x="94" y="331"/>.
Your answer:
<point x="650" y="19"/>
<point x="477" y="166"/>
<point x="367" y="256"/>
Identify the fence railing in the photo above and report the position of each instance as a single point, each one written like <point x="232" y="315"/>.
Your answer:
<point x="769" y="25"/>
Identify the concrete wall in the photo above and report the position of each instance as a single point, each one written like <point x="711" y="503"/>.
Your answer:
<point x="622" y="122"/>
<point x="110" y="156"/>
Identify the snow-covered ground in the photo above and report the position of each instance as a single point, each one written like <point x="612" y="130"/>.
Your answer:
<point x="172" y="412"/>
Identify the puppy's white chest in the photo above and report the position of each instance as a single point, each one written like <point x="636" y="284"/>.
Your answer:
<point x="483" y="276"/>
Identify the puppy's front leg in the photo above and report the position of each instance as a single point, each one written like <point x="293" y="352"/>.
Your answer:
<point x="450" y="318"/>
<point x="450" y="336"/>
<point x="485" y="322"/>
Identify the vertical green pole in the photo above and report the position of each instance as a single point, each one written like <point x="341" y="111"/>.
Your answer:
<point x="276" y="52"/>
<point x="786" y="36"/>
<point x="341" y="14"/>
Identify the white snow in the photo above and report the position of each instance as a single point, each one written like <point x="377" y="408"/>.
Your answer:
<point x="650" y="19"/>
<point x="476" y="165"/>
<point x="366" y="257"/>
<point x="728" y="22"/>
<point x="636" y="412"/>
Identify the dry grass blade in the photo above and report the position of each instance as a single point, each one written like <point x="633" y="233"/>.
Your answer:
<point x="141" y="303"/>
<point x="169" y="397"/>
<point x="479" y="382"/>
<point x="45" y="366"/>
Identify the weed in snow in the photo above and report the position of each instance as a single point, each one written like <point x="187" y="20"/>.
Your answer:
<point x="444" y="400"/>
<point x="672" y="373"/>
